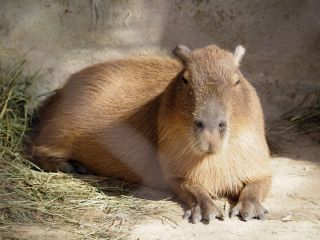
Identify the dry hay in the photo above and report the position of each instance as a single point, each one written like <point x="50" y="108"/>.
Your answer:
<point x="90" y="207"/>
<point x="306" y="116"/>
<point x="302" y="119"/>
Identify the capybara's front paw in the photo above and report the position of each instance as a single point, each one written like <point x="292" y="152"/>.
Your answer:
<point x="248" y="209"/>
<point x="203" y="211"/>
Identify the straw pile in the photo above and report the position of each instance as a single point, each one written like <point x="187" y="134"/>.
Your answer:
<point x="87" y="206"/>
<point x="302" y="119"/>
<point x="306" y="116"/>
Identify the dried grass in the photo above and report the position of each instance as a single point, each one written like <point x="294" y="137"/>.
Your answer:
<point x="306" y="116"/>
<point x="302" y="119"/>
<point x="88" y="206"/>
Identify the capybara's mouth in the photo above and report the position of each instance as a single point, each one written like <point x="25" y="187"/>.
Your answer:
<point x="204" y="151"/>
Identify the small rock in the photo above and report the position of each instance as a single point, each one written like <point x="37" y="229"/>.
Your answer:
<point x="286" y="218"/>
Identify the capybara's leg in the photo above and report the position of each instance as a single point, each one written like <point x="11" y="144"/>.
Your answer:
<point x="52" y="164"/>
<point x="197" y="198"/>
<point x="51" y="161"/>
<point x="249" y="202"/>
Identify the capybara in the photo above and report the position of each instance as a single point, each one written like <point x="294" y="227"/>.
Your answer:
<point x="192" y="124"/>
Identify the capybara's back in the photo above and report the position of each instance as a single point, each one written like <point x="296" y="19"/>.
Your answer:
<point x="105" y="119"/>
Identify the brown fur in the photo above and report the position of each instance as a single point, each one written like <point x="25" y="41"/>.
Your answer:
<point x="133" y="119"/>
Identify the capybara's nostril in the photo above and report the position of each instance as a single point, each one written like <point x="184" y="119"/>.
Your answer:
<point x="222" y="126"/>
<point x="198" y="124"/>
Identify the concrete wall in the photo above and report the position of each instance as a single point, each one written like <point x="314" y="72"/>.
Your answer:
<point x="60" y="37"/>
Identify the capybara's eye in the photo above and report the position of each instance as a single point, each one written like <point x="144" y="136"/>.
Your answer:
<point x="222" y="126"/>
<point x="235" y="78"/>
<point x="185" y="81"/>
<point x="237" y="82"/>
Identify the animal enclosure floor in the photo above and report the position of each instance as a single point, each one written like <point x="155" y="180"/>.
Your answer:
<point x="294" y="206"/>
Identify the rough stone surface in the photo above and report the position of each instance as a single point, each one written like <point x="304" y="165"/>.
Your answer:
<point x="60" y="37"/>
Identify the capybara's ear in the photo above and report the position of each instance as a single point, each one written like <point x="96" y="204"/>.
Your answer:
<point x="182" y="51"/>
<point x="238" y="54"/>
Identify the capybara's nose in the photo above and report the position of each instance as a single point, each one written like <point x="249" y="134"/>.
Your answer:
<point x="211" y="126"/>
<point x="222" y="126"/>
<point x="198" y="125"/>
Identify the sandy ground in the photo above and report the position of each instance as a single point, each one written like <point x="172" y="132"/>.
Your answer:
<point x="293" y="204"/>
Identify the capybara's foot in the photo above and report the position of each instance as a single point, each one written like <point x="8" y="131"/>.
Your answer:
<point x="53" y="164"/>
<point x="247" y="209"/>
<point x="203" y="211"/>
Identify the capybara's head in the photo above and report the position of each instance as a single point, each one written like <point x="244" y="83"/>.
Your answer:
<point x="206" y="92"/>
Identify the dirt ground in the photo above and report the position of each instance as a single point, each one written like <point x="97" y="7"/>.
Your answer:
<point x="293" y="204"/>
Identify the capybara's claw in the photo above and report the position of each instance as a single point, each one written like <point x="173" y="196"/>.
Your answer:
<point x="248" y="209"/>
<point x="207" y="211"/>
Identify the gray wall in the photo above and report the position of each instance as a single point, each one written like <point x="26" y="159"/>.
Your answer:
<point x="60" y="37"/>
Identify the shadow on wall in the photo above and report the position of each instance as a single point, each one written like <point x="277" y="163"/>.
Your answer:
<point x="282" y="37"/>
